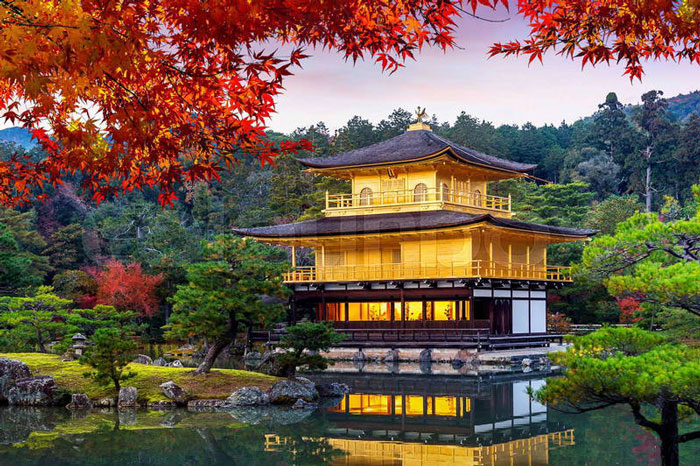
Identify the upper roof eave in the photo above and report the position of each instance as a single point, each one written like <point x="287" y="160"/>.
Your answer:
<point x="409" y="147"/>
<point x="446" y="151"/>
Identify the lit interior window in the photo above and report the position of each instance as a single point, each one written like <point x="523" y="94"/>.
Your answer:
<point x="444" y="310"/>
<point x="414" y="310"/>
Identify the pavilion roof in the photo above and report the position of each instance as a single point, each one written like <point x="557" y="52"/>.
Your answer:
<point x="401" y="222"/>
<point x="412" y="146"/>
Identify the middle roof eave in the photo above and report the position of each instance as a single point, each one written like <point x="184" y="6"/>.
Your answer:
<point x="398" y="223"/>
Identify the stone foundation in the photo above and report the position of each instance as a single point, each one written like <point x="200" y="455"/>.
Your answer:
<point x="439" y="355"/>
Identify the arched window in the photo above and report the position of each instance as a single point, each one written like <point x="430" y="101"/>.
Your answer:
<point x="366" y="196"/>
<point x="445" y="192"/>
<point x="478" y="200"/>
<point x="420" y="193"/>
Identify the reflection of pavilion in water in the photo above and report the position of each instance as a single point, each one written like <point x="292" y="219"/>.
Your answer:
<point x="491" y="424"/>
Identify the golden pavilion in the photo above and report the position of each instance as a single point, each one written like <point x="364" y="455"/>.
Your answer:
<point x="419" y="252"/>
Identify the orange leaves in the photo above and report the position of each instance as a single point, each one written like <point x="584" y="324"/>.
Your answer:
<point x="127" y="288"/>
<point x="151" y="93"/>
<point x="627" y="31"/>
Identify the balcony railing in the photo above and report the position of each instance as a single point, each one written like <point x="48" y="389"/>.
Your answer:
<point x="440" y="196"/>
<point x="418" y="271"/>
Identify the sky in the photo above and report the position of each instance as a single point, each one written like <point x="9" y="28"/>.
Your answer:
<point x="500" y="90"/>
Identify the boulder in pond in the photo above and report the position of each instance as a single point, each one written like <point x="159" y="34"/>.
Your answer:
<point x="171" y="419"/>
<point x="128" y="397"/>
<point x="37" y="391"/>
<point x="161" y="362"/>
<point x="143" y="359"/>
<point x="332" y="390"/>
<point x="128" y="417"/>
<point x="104" y="403"/>
<point x="391" y="356"/>
<point x="285" y="417"/>
<point x="249" y="396"/>
<point x="253" y="359"/>
<point x="207" y="405"/>
<point x="10" y="371"/>
<point x="305" y="381"/>
<point x="360" y="357"/>
<point x="79" y="401"/>
<point x="161" y="405"/>
<point x="289" y="391"/>
<point x="17" y="423"/>
<point x="425" y="356"/>
<point x="252" y="414"/>
<point x="301" y="404"/>
<point x="175" y="392"/>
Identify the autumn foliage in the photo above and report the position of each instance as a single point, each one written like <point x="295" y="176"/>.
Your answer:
<point x="558" y="323"/>
<point x="127" y="288"/>
<point x="601" y="31"/>
<point x="629" y="307"/>
<point x="139" y="93"/>
<point x="152" y="93"/>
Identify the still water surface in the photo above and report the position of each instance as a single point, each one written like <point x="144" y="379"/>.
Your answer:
<point x="397" y="421"/>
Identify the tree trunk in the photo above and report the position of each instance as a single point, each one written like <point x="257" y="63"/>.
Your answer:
<point x="40" y="341"/>
<point x="669" y="434"/>
<point x="647" y="188"/>
<point x="213" y="353"/>
<point x="219" y="345"/>
<point x="646" y="153"/>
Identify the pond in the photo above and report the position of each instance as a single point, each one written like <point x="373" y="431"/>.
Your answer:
<point x="387" y="420"/>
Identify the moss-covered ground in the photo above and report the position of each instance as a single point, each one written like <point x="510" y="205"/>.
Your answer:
<point x="219" y="383"/>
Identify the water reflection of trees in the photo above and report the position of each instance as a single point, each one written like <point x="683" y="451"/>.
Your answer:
<point x="57" y="437"/>
<point x="484" y="420"/>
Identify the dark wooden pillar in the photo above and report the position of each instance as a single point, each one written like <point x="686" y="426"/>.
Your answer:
<point x="347" y="311"/>
<point x="322" y="314"/>
<point x="502" y="310"/>
<point x="425" y="309"/>
<point x="292" y="317"/>
<point x="403" y="309"/>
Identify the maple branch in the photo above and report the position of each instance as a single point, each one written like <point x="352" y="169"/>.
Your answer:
<point x="43" y="26"/>
<point x="475" y="16"/>
<point x="133" y="94"/>
<point x="12" y="7"/>
<point x="190" y="74"/>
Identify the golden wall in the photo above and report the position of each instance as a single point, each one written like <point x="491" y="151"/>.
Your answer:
<point x="445" y="249"/>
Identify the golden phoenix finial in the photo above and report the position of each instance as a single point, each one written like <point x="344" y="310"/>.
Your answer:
<point x="420" y="114"/>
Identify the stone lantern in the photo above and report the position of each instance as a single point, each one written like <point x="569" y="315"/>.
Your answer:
<point x="79" y="344"/>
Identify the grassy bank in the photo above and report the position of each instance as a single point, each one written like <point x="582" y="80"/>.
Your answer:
<point x="220" y="383"/>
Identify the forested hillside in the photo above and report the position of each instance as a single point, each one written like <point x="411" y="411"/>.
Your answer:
<point x="599" y="166"/>
<point x="18" y="136"/>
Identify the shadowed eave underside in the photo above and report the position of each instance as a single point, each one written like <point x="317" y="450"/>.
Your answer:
<point x="403" y="222"/>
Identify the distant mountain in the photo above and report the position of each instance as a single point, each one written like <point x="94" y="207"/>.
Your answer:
<point x="683" y="105"/>
<point x="17" y="135"/>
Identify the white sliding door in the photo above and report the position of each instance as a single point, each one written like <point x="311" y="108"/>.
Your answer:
<point x="521" y="316"/>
